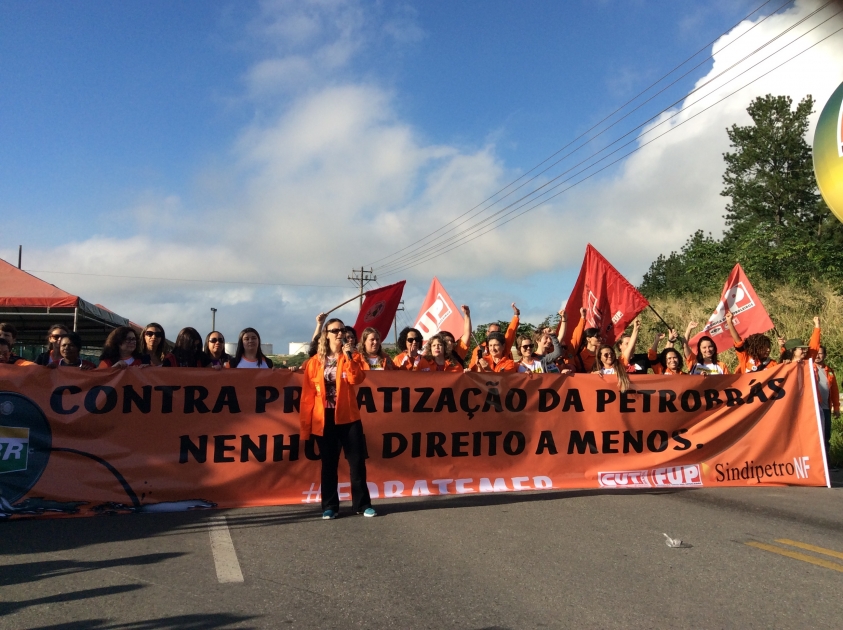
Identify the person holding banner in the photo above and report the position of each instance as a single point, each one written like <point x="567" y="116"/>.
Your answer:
<point x="6" y="356"/>
<point x="121" y="350"/>
<point x="215" y="350"/>
<point x="153" y="343"/>
<point x="328" y="409"/>
<point x="249" y="353"/>
<point x="496" y="360"/>
<point x="607" y="364"/>
<point x="705" y="360"/>
<point x="372" y="352"/>
<point x="494" y="327"/>
<point x="410" y="359"/>
<point x="436" y="356"/>
<point x="52" y="355"/>
<point x="70" y="345"/>
<point x="586" y="341"/>
<point x="753" y="352"/>
<point x="455" y="351"/>
<point x="187" y="351"/>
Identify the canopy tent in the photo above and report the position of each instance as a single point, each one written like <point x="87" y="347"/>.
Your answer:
<point x="32" y="305"/>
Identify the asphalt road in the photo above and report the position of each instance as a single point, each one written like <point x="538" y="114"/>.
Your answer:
<point x="554" y="559"/>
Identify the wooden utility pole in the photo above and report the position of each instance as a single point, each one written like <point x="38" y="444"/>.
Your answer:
<point x="361" y="278"/>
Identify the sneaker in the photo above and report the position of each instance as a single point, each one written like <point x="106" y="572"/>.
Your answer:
<point x="369" y="512"/>
<point x="328" y="515"/>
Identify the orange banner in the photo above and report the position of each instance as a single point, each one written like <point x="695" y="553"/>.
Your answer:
<point x="146" y="440"/>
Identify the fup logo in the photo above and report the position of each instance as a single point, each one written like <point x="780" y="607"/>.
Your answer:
<point x="14" y="448"/>
<point x="430" y="322"/>
<point x="737" y="301"/>
<point x="25" y="443"/>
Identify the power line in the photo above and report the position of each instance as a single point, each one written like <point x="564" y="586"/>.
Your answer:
<point x="108" y="275"/>
<point x="585" y="133"/>
<point x="424" y="255"/>
<point x="590" y="175"/>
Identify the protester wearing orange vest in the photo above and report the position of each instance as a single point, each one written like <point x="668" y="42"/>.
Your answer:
<point x="584" y="343"/>
<point x="328" y="410"/>
<point x="495" y="360"/>
<point x="704" y="361"/>
<point x="753" y="352"/>
<point x="411" y="341"/>
<point x="371" y="351"/>
<point x="509" y="338"/>
<point x="436" y="357"/>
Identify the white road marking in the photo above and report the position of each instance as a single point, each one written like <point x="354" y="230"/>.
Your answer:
<point x="225" y="558"/>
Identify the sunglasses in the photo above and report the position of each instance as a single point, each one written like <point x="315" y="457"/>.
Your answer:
<point x="334" y="331"/>
<point x="413" y="339"/>
<point x="527" y="346"/>
<point x="153" y="333"/>
<point x="216" y="340"/>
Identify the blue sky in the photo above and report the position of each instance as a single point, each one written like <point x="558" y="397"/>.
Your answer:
<point x="238" y="141"/>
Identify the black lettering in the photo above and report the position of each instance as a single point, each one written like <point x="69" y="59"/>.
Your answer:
<point x="636" y="442"/>
<point x="547" y="443"/>
<point x="775" y="386"/>
<point x="662" y="437"/>
<point x="493" y="441"/>
<point x="720" y="475"/>
<point x="435" y="444"/>
<point x="248" y="446"/>
<point x="685" y="444"/>
<point x="143" y="403"/>
<point x="493" y="400"/>
<point x="464" y="403"/>
<point x="579" y="442"/>
<point x="608" y="442"/>
<point x="789" y="469"/>
<point x="627" y="401"/>
<point x="221" y="448"/>
<point x="110" y="399"/>
<point x="387" y="397"/>
<point x="548" y="400"/>
<point x="645" y="394"/>
<point x="756" y="391"/>
<point x="520" y="443"/>
<point x="605" y="397"/>
<point x="292" y="395"/>
<point x="476" y="438"/>
<point x="226" y="398"/>
<point x="734" y="397"/>
<point x="426" y="393"/>
<point x="446" y="399"/>
<point x="167" y="396"/>
<point x="393" y="445"/>
<point x="187" y="447"/>
<point x="278" y="447"/>
<point x="666" y="399"/>
<point x="264" y="395"/>
<point x="712" y="399"/>
<point x="56" y="399"/>
<point x="457" y="444"/>
<point x="366" y="399"/>
<point x="572" y="399"/>
<point x="405" y="400"/>
<point x="416" y="451"/>
<point x="194" y="399"/>
<point x="691" y="400"/>
<point x="509" y="401"/>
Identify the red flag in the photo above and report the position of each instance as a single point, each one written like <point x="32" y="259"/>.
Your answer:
<point x="438" y="312"/>
<point x="610" y="300"/>
<point x="379" y="308"/>
<point x="749" y="314"/>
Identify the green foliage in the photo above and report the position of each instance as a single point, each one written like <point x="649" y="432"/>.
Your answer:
<point x="777" y="225"/>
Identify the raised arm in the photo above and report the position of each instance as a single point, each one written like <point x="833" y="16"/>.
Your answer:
<point x="633" y="339"/>
<point x="735" y="336"/>
<point x="814" y="343"/>
<point x="563" y="327"/>
<point x="466" y="325"/>
<point x="512" y="331"/>
<point x="654" y="349"/>
<point x="576" y="336"/>
<point x="686" y="347"/>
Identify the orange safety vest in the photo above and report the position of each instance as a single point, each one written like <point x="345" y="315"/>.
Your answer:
<point x="313" y="397"/>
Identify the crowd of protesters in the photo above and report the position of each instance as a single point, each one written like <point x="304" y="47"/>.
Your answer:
<point x="339" y="360"/>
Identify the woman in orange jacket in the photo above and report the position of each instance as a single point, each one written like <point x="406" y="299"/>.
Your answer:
<point x="410" y="341"/>
<point x="371" y="351"/>
<point x="753" y="352"/>
<point x="495" y="360"/>
<point x="705" y="360"/>
<point x="437" y="358"/>
<point x="328" y="410"/>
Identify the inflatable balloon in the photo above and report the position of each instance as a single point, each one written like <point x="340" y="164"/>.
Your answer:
<point x="828" y="152"/>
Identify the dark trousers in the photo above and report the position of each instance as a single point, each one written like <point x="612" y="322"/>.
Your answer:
<point x="349" y="438"/>
<point x="827" y="431"/>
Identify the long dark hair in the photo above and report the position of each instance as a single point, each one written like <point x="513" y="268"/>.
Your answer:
<point x="402" y="338"/>
<point x="238" y="355"/>
<point x="663" y="357"/>
<point x="620" y="369"/>
<point x="111" y="349"/>
<point x="714" y="358"/>
<point x="50" y="330"/>
<point x="188" y="348"/>
<point x="207" y="347"/>
<point x="163" y="346"/>
<point x="452" y="355"/>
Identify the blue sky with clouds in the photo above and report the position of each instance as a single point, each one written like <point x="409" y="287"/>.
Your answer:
<point x="285" y="142"/>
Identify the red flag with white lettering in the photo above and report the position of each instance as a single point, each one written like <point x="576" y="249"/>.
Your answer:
<point x="379" y="308"/>
<point x="740" y="298"/>
<point x="610" y="300"/>
<point x="439" y="312"/>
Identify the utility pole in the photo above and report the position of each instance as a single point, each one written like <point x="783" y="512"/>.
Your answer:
<point x="213" y="319"/>
<point x="361" y="277"/>
<point x="395" y="321"/>
<point x="20" y="255"/>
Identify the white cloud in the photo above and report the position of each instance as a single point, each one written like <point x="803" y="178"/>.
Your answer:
<point x="336" y="179"/>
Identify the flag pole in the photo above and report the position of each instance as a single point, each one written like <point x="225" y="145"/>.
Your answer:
<point x="344" y="303"/>
<point x="669" y="327"/>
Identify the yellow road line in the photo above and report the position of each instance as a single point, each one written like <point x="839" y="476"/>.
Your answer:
<point x="822" y="550"/>
<point x="798" y="556"/>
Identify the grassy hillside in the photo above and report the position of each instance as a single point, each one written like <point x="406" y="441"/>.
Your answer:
<point x="792" y="310"/>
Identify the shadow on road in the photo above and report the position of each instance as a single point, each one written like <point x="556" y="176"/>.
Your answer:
<point x="180" y="622"/>
<point x="34" y="571"/>
<point x="7" y="608"/>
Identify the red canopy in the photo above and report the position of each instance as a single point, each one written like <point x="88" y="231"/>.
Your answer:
<point x="18" y="288"/>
